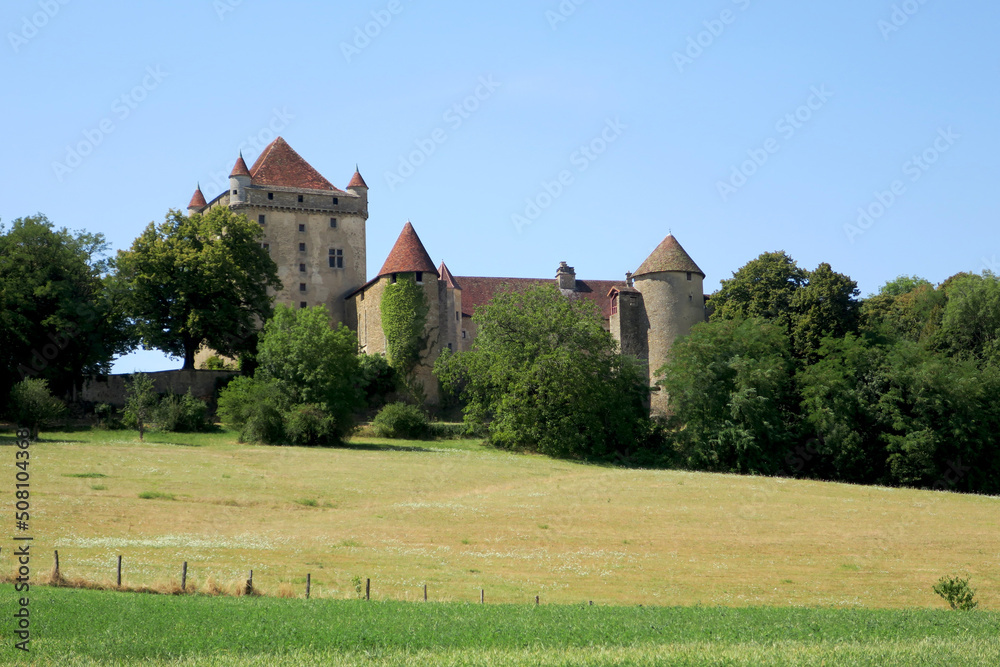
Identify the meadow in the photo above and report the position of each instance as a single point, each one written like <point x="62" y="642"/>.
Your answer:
<point x="81" y="627"/>
<point x="462" y="518"/>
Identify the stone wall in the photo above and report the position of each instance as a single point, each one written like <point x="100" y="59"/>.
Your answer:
<point x="111" y="388"/>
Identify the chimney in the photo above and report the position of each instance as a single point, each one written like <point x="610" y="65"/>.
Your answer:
<point x="566" y="277"/>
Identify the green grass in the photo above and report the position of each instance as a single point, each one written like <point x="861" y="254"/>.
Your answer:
<point x="85" y="475"/>
<point x="156" y="495"/>
<point x="77" y="627"/>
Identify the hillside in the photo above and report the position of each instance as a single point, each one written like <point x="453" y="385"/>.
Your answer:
<point x="460" y="518"/>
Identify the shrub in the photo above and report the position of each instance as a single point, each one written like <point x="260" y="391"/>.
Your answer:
<point x="140" y="402"/>
<point x="378" y="379"/>
<point x="309" y="424"/>
<point x="399" y="420"/>
<point x="182" y="413"/>
<point x="254" y="408"/>
<point x="32" y="405"/>
<point x="956" y="591"/>
<point x="216" y="363"/>
<point x="456" y="431"/>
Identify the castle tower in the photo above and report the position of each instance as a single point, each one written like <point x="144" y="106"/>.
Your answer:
<point x="671" y="287"/>
<point x="450" y="297"/>
<point x="239" y="181"/>
<point x="197" y="203"/>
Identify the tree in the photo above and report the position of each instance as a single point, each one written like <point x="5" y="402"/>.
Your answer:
<point x="913" y="315"/>
<point x="544" y="376"/>
<point x="732" y="396"/>
<point x="141" y="400"/>
<point x="404" y="311"/>
<point x="61" y="317"/>
<point x="826" y="305"/>
<point x="199" y="280"/>
<point x="970" y="320"/>
<point x="763" y="287"/>
<point x="34" y="406"/>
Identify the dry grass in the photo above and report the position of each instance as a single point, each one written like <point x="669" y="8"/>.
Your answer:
<point x="461" y="518"/>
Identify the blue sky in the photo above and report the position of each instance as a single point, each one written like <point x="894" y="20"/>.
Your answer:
<point x="584" y="131"/>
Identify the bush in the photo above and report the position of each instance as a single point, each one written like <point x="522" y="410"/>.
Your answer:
<point x="182" y="413"/>
<point x="254" y="408"/>
<point x="140" y="402"/>
<point x="456" y="431"/>
<point x="308" y="424"/>
<point x="378" y="379"/>
<point x="106" y="419"/>
<point x="957" y="592"/>
<point x="32" y="405"/>
<point x="399" y="420"/>
<point x="217" y="363"/>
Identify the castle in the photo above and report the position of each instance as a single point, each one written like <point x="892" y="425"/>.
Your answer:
<point x="315" y="232"/>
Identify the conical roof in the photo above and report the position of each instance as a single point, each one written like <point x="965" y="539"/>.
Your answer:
<point x="446" y="276"/>
<point x="668" y="256"/>
<point x="357" y="181"/>
<point x="279" y="165"/>
<point x="198" y="199"/>
<point x="408" y="255"/>
<point x="240" y="168"/>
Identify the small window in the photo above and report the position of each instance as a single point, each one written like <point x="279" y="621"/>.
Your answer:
<point x="262" y="219"/>
<point x="302" y="228"/>
<point x="463" y="333"/>
<point x="270" y="195"/>
<point x="300" y="199"/>
<point x="302" y="268"/>
<point x="335" y="201"/>
<point x="689" y="275"/>
<point x="458" y="316"/>
<point x="302" y="247"/>
<point x="394" y="277"/>
<point x="336" y="258"/>
<point x="303" y="304"/>
<point x="266" y="246"/>
<point x="614" y="304"/>
<point x="302" y="287"/>
<point x="450" y="347"/>
<point x="333" y="223"/>
<point x="420" y="277"/>
<point x="236" y="192"/>
<point x="362" y="297"/>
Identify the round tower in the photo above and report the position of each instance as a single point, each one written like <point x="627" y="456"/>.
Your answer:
<point x="672" y="288"/>
<point x="239" y="181"/>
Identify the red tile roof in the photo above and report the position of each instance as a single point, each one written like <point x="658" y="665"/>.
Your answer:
<point x="279" y="165"/>
<point x="668" y="256"/>
<point x="446" y="276"/>
<point x="477" y="290"/>
<point x="357" y="181"/>
<point x="198" y="199"/>
<point x="408" y="255"/>
<point x="240" y="168"/>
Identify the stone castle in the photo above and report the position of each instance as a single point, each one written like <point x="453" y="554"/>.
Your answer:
<point x="315" y="232"/>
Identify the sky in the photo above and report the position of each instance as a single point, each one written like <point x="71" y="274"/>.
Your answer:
<point x="516" y="135"/>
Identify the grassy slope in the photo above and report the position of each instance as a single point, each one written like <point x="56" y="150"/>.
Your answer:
<point x="73" y="627"/>
<point x="460" y="517"/>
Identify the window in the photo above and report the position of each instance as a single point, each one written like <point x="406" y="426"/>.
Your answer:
<point x="270" y="195"/>
<point x="302" y="287"/>
<point x="691" y="297"/>
<point x="420" y="277"/>
<point x="614" y="304"/>
<point x="302" y="304"/>
<point x="689" y="275"/>
<point x="266" y="246"/>
<point x="335" y="201"/>
<point x="333" y="223"/>
<point x="336" y="258"/>
<point x="302" y="247"/>
<point x="236" y="192"/>
<point x="262" y="219"/>
<point x="300" y="199"/>
<point x="450" y="347"/>
<point x="458" y="316"/>
<point x="463" y="333"/>
<point x="302" y="268"/>
<point x="302" y="228"/>
<point x="393" y="278"/>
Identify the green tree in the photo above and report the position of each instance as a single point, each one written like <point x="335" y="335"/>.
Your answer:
<point x="33" y="405"/>
<point x="544" y="376"/>
<point x="197" y="280"/>
<point x="732" y="396"/>
<point x="970" y="319"/>
<point x="913" y="314"/>
<point x="61" y="317"/>
<point x="141" y="401"/>
<point x="404" y="311"/>
<point x="826" y="305"/>
<point x="764" y="287"/>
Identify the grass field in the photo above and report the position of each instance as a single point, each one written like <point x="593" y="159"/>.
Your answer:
<point x="75" y="627"/>
<point x="460" y="517"/>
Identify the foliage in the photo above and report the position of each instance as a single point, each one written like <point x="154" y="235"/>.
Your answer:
<point x="903" y="285"/>
<point x="378" y="378"/>
<point x="61" y="317"/>
<point x="543" y="375"/>
<point x="313" y="362"/>
<point x="33" y="406"/>
<point x="308" y="424"/>
<point x="217" y="363"/>
<point x="400" y="420"/>
<point x="181" y="413"/>
<point x="141" y="400"/>
<point x="196" y="280"/>
<point x="731" y="393"/>
<point x="763" y="288"/>
<point x="970" y="320"/>
<point x="826" y="305"/>
<point x="255" y="408"/>
<point x="957" y="592"/>
<point x="404" y="311"/>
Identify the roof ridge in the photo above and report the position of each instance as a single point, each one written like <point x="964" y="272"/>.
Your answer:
<point x="281" y="166"/>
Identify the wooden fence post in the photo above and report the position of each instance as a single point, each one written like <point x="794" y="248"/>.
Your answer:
<point x="536" y="599"/>
<point x="368" y="589"/>
<point x="184" y="576"/>
<point x="482" y="596"/>
<point x="425" y="592"/>
<point x="57" y="565"/>
<point x="119" y="571"/>
<point x="249" y="588"/>
<point x="308" y="584"/>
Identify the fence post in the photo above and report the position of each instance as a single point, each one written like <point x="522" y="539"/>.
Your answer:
<point x="536" y="599"/>
<point x="308" y="584"/>
<point x="482" y="596"/>
<point x="249" y="588"/>
<point x="184" y="576"/>
<point x="425" y="592"/>
<point x="368" y="589"/>
<point x="119" y="571"/>
<point x="57" y="565"/>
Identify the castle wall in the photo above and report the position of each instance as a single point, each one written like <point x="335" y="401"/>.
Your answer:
<point x="630" y="326"/>
<point x="111" y="389"/>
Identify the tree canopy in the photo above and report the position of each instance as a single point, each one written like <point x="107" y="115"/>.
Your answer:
<point x="196" y="280"/>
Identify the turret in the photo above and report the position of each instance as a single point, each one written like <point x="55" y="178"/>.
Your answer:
<point x="239" y="181"/>
<point x="197" y="203"/>
<point x="357" y="184"/>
